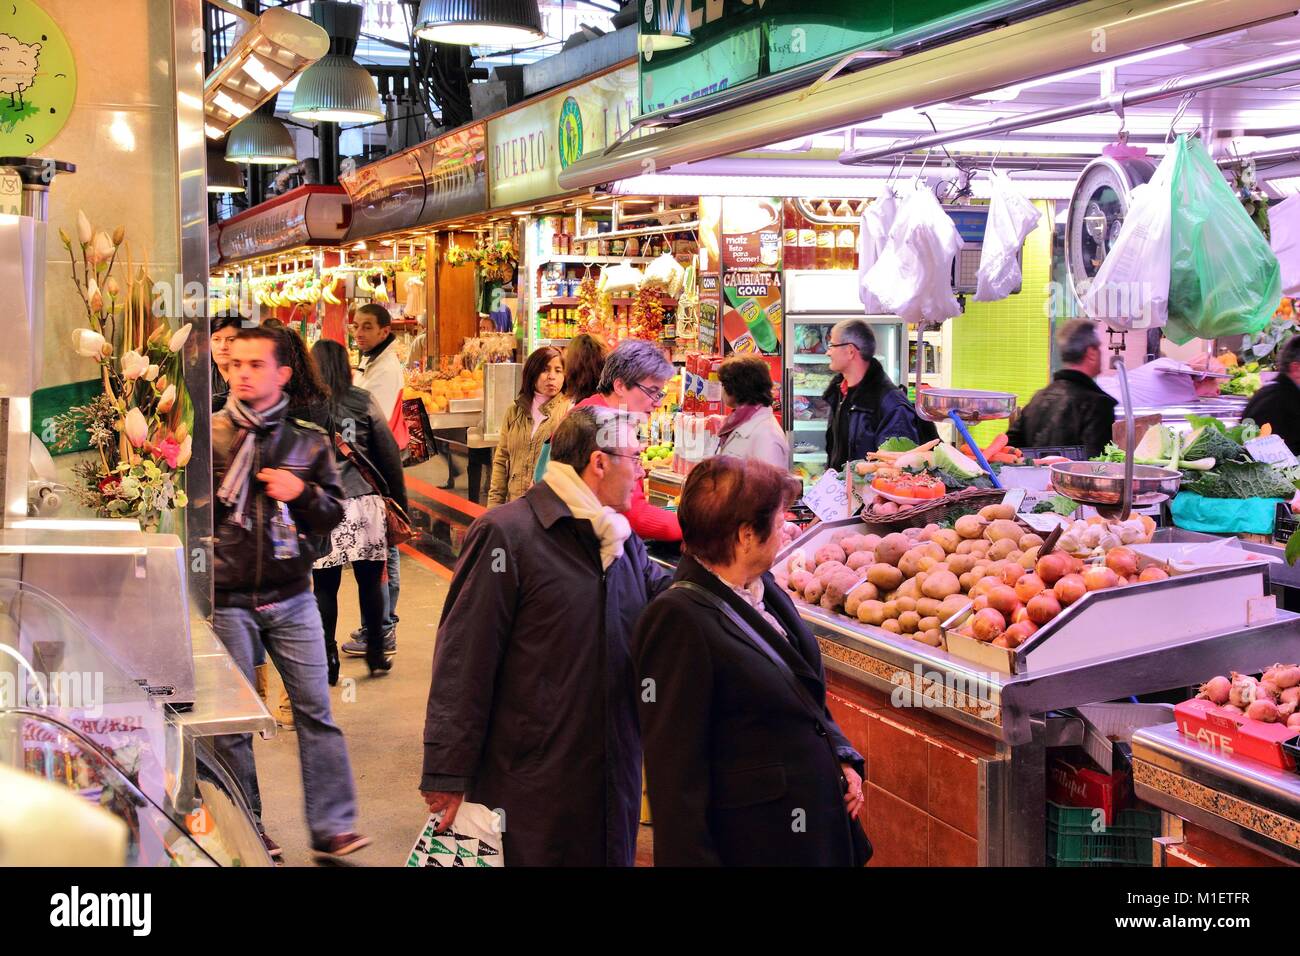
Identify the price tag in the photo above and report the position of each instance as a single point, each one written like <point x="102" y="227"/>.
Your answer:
<point x="1044" y="523"/>
<point x="828" y="499"/>
<point x="1272" y="450"/>
<point x="1015" y="498"/>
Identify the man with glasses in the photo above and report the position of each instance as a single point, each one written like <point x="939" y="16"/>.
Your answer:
<point x="532" y="705"/>
<point x="866" y="406"/>
<point x="633" y="380"/>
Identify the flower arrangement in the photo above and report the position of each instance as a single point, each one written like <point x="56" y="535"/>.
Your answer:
<point x="498" y="258"/>
<point x="140" y="425"/>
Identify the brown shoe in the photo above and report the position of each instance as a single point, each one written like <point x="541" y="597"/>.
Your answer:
<point x="284" y="714"/>
<point x="340" y="846"/>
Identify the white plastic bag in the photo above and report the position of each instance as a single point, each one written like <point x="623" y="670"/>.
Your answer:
<point x="1284" y="230"/>
<point x="473" y="840"/>
<point x="913" y="276"/>
<point x="877" y="220"/>
<point x="664" y="273"/>
<point x="1131" y="289"/>
<point x="620" y="279"/>
<point x="1012" y="218"/>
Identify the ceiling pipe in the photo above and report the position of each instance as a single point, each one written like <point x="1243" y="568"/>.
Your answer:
<point x="1187" y="83"/>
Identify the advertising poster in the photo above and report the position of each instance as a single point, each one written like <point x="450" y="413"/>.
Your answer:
<point x="752" y="300"/>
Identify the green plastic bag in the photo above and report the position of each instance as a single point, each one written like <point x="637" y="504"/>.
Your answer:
<point x="1223" y="278"/>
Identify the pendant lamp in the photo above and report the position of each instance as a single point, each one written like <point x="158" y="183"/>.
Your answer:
<point x="261" y="139"/>
<point x="664" y="27"/>
<point x="494" y="23"/>
<point x="336" y="88"/>
<point x="223" y="175"/>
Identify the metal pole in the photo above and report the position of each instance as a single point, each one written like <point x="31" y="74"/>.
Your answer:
<point x="1116" y="102"/>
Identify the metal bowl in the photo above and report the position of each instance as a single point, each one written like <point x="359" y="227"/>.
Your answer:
<point x="934" y="404"/>
<point x="1102" y="482"/>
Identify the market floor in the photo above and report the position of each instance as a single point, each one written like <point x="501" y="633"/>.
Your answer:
<point x="383" y="721"/>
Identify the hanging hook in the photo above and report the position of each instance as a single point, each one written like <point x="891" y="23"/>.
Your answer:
<point x="1178" y="114"/>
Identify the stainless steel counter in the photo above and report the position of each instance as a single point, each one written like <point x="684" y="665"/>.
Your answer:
<point x="1238" y="798"/>
<point x="226" y="703"/>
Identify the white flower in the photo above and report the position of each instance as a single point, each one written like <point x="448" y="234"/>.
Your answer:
<point x="187" y="448"/>
<point x="88" y="343"/>
<point x="101" y="249"/>
<point x="84" y="232"/>
<point x="151" y="373"/>
<point x="93" y="295"/>
<point x="167" y="401"/>
<point x="137" y="429"/>
<point x="179" y="336"/>
<point x="133" y="365"/>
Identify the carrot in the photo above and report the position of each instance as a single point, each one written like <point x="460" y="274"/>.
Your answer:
<point x="996" y="446"/>
<point x="966" y="450"/>
<point x="1003" y="458"/>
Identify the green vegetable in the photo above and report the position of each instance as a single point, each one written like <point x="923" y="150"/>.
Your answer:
<point x="1293" y="548"/>
<point x="954" y="483"/>
<point x="1057" y="504"/>
<point x="1210" y="442"/>
<point x="897" y="444"/>
<point x="953" y="462"/>
<point x="1157" y="443"/>
<point x="1242" y="479"/>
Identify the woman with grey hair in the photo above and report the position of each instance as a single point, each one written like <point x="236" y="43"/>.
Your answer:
<point x="633" y="380"/>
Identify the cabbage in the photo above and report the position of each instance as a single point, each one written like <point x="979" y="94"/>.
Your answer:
<point x="1242" y="479"/>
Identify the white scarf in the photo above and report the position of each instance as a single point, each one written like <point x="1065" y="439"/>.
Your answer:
<point x="610" y="526"/>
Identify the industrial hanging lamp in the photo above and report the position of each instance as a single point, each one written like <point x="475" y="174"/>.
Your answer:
<point x="494" y="23"/>
<point x="223" y="175"/>
<point x="261" y="139"/>
<point x="336" y="88"/>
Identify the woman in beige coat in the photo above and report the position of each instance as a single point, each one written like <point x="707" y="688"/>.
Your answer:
<point x="536" y="413"/>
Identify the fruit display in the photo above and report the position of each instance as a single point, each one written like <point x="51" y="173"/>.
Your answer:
<point x="655" y="455"/>
<point x="437" y="389"/>
<point x="918" y="487"/>
<point x="910" y="582"/>
<point x="924" y="473"/>
<point x="997" y="451"/>
<point x="1271" y="698"/>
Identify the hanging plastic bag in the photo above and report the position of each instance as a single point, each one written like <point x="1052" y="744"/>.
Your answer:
<point x="1131" y="289"/>
<point x="1224" y="278"/>
<point x="1012" y="218"/>
<point x="1284" y="228"/>
<point x="877" y="221"/>
<point x="913" y="276"/>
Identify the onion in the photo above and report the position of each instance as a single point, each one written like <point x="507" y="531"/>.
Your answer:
<point x="1043" y="607"/>
<point x="1269" y="689"/>
<point x="1293" y="722"/>
<point x="1216" y="690"/>
<point x="1100" y="578"/>
<point x="1069" y="589"/>
<point x="1003" y="600"/>
<point x="1290" y="696"/>
<point x="1017" y="634"/>
<point x="1153" y="573"/>
<point x="1284" y="711"/>
<point x="988" y="624"/>
<point x="1028" y="586"/>
<point x="1243" y="690"/>
<point x="1232" y="709"/>
<point x="1052" y="567"/>
<point x="1264" y="710"/>
<point x="1011" y="573"/>
<point x="1287" y="676"/>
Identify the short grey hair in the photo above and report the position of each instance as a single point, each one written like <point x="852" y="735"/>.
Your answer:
<point x="1075" y="338"/>
<point x="859" y="333"/>
<point x="630" y="363"/>
<point x="589" y="429"/>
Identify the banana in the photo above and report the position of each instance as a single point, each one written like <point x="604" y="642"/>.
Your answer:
<point x="328" y="292"/>
<point x="363" y="284"/>
<point x="381" y="292"/>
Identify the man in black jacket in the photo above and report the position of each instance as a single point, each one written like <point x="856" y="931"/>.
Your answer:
<point x="532" y="705"/>
<point x="866" y="406"/>
<point x="1278" y="404"/>
<point x="1073" y="410"/>
<point x="277" y="490"/>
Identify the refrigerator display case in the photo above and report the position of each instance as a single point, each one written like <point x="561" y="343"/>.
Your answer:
<point x="815" y="301"/>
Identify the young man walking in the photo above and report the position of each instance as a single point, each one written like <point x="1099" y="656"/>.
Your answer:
<point x="277" y="490"/>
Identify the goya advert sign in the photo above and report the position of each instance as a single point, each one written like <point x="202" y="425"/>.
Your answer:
<point x="696" y="49"/>
<point x="528" y="146"/>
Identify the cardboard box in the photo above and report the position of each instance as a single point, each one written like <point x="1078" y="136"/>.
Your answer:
<point x="1073" y="784"/>
<point x="1235" y="735"/>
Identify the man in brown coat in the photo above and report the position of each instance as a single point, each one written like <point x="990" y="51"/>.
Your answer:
<point x="532" y="705"/>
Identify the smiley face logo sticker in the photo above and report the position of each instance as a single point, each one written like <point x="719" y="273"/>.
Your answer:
<point x="38" y="78"/>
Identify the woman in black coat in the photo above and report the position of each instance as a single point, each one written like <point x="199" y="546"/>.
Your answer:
<point x="745" y="765"/>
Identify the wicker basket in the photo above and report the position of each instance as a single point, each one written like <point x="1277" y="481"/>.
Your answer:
<point x="936" y="510"/>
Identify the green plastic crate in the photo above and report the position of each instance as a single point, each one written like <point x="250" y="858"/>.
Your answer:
<point x="1071" y="840"/>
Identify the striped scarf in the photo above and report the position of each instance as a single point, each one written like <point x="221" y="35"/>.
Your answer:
<point x="234" y="487"/>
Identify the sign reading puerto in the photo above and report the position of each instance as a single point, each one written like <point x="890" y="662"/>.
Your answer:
<point x="529" y="146"/>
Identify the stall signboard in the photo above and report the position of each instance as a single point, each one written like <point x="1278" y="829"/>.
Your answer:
<point x="306" y="216"/>
<point x="455" y="174"/>
<point x="734" y="42"/>
<point x="386" y="195"/>
<point x="530" y="145"/>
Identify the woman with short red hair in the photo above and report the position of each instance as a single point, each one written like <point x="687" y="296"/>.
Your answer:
<point x="744" y="764"/>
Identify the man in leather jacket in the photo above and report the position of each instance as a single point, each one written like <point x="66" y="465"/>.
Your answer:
<point x="1073" y="410"/>
<point x="277" y="489"/>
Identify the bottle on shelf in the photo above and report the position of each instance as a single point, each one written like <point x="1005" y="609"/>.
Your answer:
<point x="825" y="258"/>
<point x="846" y="238"/>
<point x="807" y="254"/>
<point x="790" y="236"/>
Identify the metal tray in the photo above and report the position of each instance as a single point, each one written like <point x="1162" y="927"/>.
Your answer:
<point x="1102" y="482"/>
<point x="936" y="404"/>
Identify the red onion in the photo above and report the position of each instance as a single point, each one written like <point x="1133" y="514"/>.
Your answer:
<point x="1216" y="690"/>
<point x="1263" y="710"/>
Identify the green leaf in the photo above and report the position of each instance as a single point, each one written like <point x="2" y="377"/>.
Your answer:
<point x="1293" y="548"/>
<point x="897" y="444"/>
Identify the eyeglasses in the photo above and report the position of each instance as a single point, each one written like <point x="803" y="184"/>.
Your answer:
<point x="837" y="345"/>
<point x="655" y="395"/>
<point x="619" y="454"/>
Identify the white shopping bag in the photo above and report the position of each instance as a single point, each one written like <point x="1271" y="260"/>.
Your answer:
<point x="1284" y="232"/>
<point x="1131" y="289"/>
<point x="474" y="839"/>
<point x="877" y="221"/>
<point x="913" y="276"/>
<point x="1012" y="218"/>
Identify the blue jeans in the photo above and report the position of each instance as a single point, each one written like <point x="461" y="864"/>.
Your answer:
<point x="291" y="633"/>
<point x="394" y="587"/>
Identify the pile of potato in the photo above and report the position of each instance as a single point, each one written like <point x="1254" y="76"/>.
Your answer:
<point x="911" y="581"/>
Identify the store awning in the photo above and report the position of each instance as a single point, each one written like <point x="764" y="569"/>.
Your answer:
<point x="1078" y="36"/>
